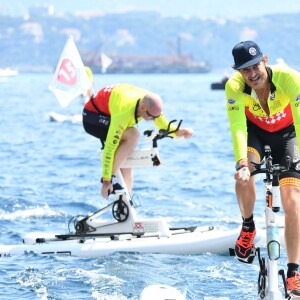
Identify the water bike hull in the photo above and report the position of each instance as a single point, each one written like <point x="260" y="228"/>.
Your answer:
<point x="200" y="241"/>
<point x="161" y="292"/>
<point x="197" y="242"/>
<point x="61" y="118"/>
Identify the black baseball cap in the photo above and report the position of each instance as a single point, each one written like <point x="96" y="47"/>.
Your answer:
<point x="246" y="54"/>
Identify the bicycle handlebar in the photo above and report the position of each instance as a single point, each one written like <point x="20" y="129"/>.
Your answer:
<point x="272" y="175"/>
<point x="162" y="133"/>
<point x="271" y="169"/>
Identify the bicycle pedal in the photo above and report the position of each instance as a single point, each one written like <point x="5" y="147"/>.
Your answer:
<point x="250" y="258"/>
<point x="117" y="192"/>
<point x="291" y="297"/>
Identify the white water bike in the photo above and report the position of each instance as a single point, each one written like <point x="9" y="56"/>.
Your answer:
<point x="117" y="226"/>
<point x="125" y="220"/>
<point x="269" y="273"/>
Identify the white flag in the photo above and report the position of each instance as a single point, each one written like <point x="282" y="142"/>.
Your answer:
<point x="105" y="62"/>
<point x="70" y="79"/>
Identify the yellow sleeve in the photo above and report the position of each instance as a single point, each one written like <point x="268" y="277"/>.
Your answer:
<point x="122" y="105"/>
<point x="118" y="124"/>
<point x="235" y="105"/>
<point x="289" y="82"/>
<point x="162" y="123"/>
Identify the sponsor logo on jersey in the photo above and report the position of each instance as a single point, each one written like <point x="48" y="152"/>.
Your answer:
<point x="231" y="101"/>
<point x="232" y="108"/>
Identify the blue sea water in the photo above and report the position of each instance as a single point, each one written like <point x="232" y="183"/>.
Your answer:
<point x="50" y="172"/>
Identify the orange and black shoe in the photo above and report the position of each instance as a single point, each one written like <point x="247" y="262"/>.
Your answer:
<point x="244" y="247"/>
<point x="293" y="286"/>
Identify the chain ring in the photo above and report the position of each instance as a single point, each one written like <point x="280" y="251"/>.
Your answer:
<point x="120" y="211"/>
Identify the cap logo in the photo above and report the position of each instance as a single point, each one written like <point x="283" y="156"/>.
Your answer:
<point x="252" y="51"/>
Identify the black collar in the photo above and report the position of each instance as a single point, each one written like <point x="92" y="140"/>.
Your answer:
<point x="135" y="111"/>
<point x="247" y="89"/>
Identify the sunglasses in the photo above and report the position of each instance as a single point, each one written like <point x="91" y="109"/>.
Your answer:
<point x="151" y="116"/>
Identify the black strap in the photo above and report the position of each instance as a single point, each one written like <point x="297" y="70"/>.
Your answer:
<point x="101" y="113"/>
<point x="95" y="106"/>
<point x="102" y="143"/>
<point x="135" y="111"/>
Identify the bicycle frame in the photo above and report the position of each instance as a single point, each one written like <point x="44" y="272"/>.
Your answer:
<point x="268" y="288"/>
<point x="125" y="220"/>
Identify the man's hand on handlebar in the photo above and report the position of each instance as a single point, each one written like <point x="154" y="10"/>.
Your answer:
<point x="242" y="175"/>
<point x="184" y="132"/>
<point x="106" y="186"/>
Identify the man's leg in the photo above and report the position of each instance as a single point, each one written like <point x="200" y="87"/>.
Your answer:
<point x="246" y="196"/>
<point x="128" y="143"/>
<point x="290" y="196"/>
<point x="291" y="204"/>
<point x="127" y="174"/>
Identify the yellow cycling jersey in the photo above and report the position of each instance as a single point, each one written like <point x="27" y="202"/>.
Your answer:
<point x="123" y="103"/>
<point x="283" y="103"/>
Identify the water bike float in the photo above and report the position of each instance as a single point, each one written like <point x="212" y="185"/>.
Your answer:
<point x="95" y="237"/>
<point x="60" y="118"/>
<point x="117" y="227"/>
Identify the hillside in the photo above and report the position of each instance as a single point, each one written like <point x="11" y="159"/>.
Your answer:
<point x="35" y="43"/>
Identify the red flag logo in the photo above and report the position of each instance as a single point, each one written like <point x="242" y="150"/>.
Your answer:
<point x="67" y="73"/>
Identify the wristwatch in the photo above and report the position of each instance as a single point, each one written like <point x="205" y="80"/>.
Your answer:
<point x="241" y="164"/>
<point x="106" y="180"/>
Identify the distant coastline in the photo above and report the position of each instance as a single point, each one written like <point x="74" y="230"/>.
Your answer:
<point x="34" y="44"/>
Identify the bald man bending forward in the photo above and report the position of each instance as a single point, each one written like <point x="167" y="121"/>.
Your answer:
<point x="111" y="116"/>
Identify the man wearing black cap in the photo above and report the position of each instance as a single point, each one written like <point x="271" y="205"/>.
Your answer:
<point x="263" y="106"/>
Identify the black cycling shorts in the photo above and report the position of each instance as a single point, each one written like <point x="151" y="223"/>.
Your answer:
<point x="96" y="124"/>
<point x="283" y="143"/>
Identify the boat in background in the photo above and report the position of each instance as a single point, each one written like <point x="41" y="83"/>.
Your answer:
<point x="175" y="62"/>
<point x="138" y="64"/>
<point x="219" y="85"/>
<point x="8" y="72"/>
<point x="61" y="118"/>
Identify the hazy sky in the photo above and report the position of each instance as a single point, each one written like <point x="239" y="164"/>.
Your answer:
<point x="188" y="8"/>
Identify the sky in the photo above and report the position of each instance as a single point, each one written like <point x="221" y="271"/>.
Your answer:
<point x="228" y="9"/>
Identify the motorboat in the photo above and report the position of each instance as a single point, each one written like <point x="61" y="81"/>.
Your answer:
<point x="8" y="72"/>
